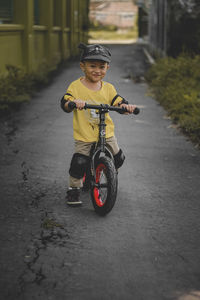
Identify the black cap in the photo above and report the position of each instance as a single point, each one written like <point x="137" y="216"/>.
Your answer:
<point x="94" y="52"/>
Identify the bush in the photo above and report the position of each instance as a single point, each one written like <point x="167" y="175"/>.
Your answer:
<point x="175" y="84"/>
<point x="96" y="26"/>
<point x="16" y="85"/>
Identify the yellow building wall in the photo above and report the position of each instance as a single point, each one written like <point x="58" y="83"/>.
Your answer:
<point x="39" y="50"/>
<point x="56" y="47"/>
<point x="10" y="46"/>
<point x="28" y="45"/>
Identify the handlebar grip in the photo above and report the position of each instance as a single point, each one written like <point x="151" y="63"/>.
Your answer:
<point x="71" y="105"/>
<point x="136" y="111"/>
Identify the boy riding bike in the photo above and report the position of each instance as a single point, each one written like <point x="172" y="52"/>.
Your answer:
<point x="94" y="63"/>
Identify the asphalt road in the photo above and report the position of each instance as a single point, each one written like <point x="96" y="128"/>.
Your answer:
<point x="147" y="248"/>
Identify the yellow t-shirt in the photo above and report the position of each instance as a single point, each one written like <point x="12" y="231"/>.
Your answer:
<point x="85" y="122"/>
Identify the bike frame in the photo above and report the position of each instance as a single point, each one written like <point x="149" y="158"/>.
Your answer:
<point x="100" y="148"/>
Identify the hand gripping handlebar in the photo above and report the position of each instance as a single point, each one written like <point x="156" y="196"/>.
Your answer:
<point x="103" y="107"/>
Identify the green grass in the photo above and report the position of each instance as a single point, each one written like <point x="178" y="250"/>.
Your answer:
<point x="175" y="83"/>
<point x="110" y="32"/>
<point x="112" y="35"/>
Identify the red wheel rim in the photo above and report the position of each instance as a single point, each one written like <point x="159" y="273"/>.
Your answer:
<point x="84" y="177"/>
<point x="96" y="192"/>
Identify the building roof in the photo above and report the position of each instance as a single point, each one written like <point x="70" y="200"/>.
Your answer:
<point x="117" y="6"/>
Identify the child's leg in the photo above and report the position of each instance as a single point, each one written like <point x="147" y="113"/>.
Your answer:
<point x="77" y="169"/>
<point x="112" y="145"/>
<point x="78" y="163"/>
<point x="118" y="155"/>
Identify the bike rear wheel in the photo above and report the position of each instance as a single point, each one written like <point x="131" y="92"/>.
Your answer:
<point x="104" y="191"/>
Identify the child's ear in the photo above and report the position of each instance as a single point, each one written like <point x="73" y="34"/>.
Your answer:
<point x="82" y="66"/>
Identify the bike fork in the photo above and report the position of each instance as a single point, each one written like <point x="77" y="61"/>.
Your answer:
<point x="102" y="131"/>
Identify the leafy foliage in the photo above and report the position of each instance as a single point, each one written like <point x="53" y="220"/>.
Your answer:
<point x="16" y="85"/>
<point x="175" y="84"/>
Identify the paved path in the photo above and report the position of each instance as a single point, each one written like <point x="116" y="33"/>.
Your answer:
<point x="147" y="248"/>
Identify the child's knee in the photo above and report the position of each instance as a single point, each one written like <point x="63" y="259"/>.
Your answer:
<point x="119" y="159"/>
<point x="78" y="165"/>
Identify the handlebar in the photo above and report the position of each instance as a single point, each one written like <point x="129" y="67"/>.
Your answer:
<point x="105" y="107"/>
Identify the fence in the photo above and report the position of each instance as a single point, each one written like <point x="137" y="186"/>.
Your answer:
<point x="158" y="26"/>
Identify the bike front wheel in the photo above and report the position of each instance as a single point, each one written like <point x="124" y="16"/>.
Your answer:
<point x="104" y="190"/>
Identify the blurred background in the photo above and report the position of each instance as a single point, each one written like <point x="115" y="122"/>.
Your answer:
<point x="47" y="32"/>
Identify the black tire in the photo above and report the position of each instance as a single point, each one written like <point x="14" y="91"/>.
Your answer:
<point x="104" y="192"/>
<point x="87" y="179"/>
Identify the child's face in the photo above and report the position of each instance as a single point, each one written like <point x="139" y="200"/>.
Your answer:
<point x="94" y="70"/>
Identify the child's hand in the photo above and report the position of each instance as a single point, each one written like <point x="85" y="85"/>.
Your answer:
<point x="129" y="107"/>
<point x="79" y="103"/>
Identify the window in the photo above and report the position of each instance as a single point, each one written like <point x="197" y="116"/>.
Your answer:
<point x="100" y="16"/>
<point x="56" y="17"/>
<point x="6" y="11"/>
<point x="36" y="12"/>
<point x="126" y="15"/>
<point x="68" y="15"/>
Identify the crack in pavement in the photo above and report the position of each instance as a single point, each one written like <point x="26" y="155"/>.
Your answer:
<point x="52" y="234"/>
<point x="25" y="171"/>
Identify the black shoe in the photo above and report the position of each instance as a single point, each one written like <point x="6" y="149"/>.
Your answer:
<point x="73" y="197"/>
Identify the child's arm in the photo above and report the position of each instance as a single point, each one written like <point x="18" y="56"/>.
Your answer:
<point x="119" y="101"/>
<point x="129" y="107"/>
<point x="79" y="105"/>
